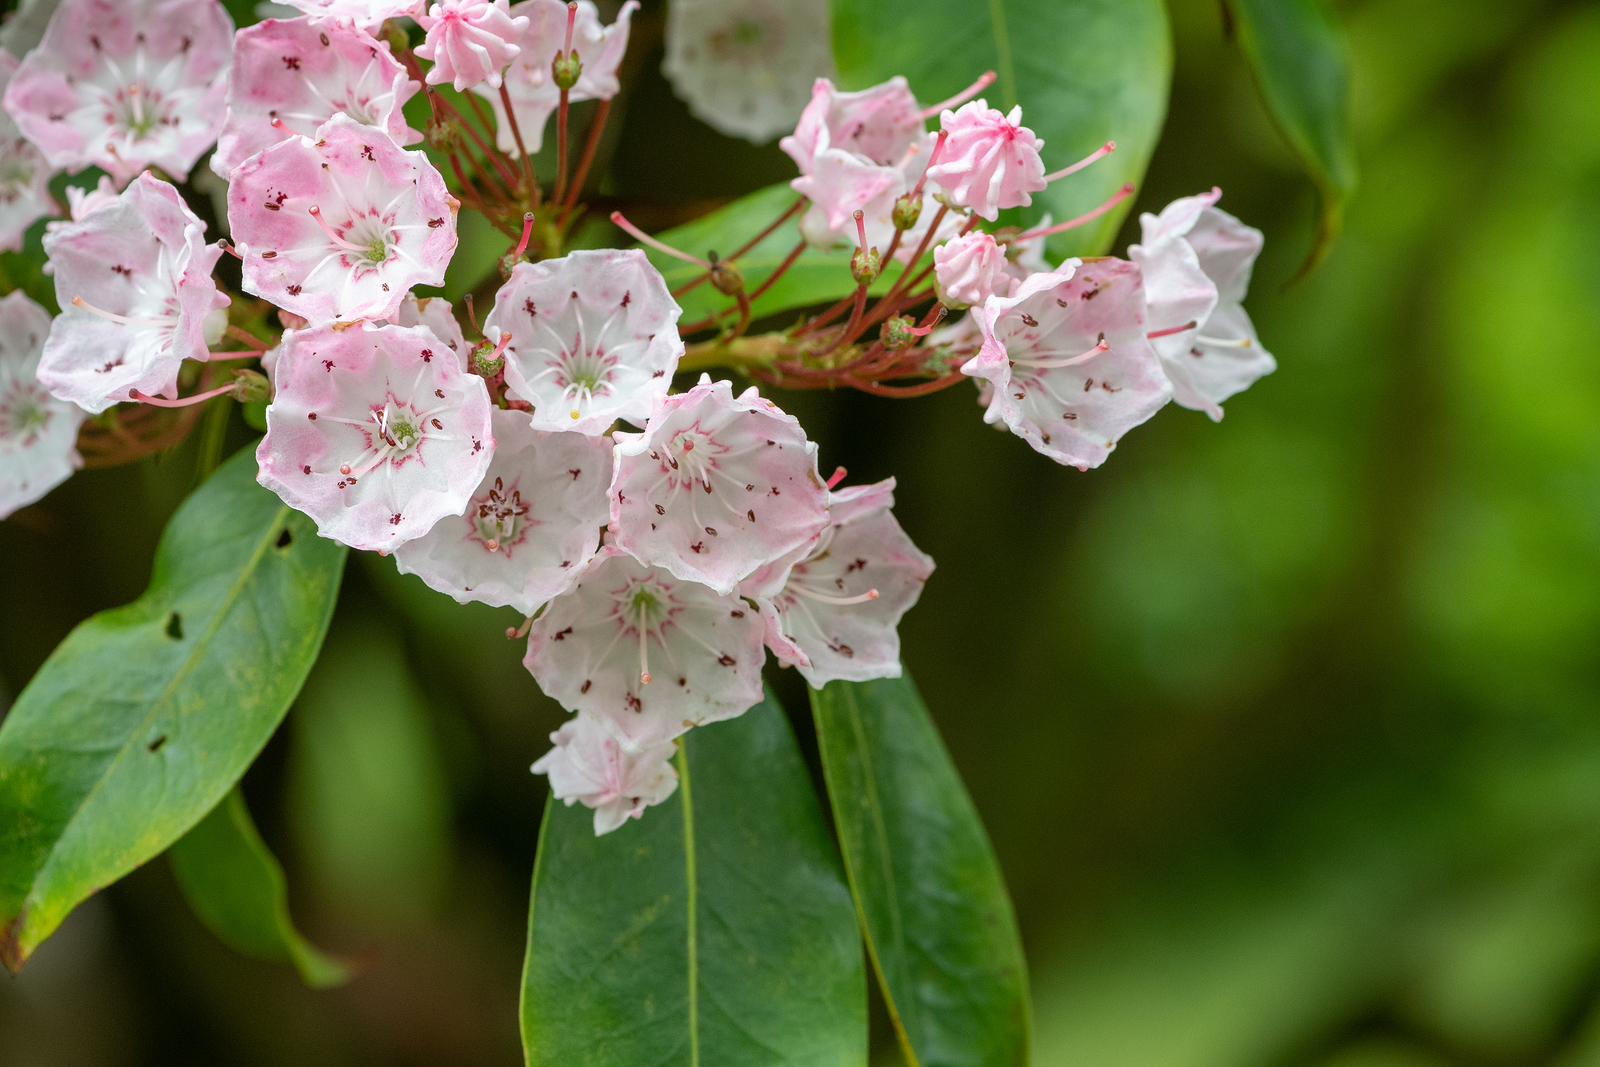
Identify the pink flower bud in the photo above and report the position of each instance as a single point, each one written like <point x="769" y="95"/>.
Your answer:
<point x="470" y="42"/>
<point x="589" y="764"/>
<point x="970" y="269"/>
<point x="990" y="161"/>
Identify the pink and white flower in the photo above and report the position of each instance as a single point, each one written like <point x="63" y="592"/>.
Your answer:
<point x="594" y="338"/>
<point x="292" y="75"/>
<point x="24" y="175"/>
<point x="470" y="42"/>
<point x="82" y="201"/>
<point x="125" y="85"/>
<point x="834" y="612"/>
<point x="1069" y="362"/>
<point x="375" y="432"/>
<point x="528" y="81"/>
<point x="990" y="161"/>
<point x="588" y="764"/>
<point x="133" y="279"/>
<point x="434" y="312"/>
<point x="1197" y="260"/>
<point x="343" y="225"/>
<point x="38" y="433"/>
<point x="970" y="269"/>
<point x="368" y="14"/>
<point x="880" y="124"/>
<point x="531" y="525"/>
<point x="716" y="486"/>
<point x="646" y="653"/>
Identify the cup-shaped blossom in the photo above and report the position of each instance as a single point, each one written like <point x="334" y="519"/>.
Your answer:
<point x="588" y="764"/>
<point x="300" y="73"/>
<point x="341" y="226"/>
<point x="528" y="81"/>
<point x="648" y="654"/>
<point x="716" y="486"/>
<point x="375" y="432"/>
<point x="880" y="124"/>
<point x="1071" y="367"/>
<point x="747" y="69"/>
<point x="133" y="278"/>
<point x="125" y="84"/>
<point x="970" y="269"/>
<point x="470" y="42"/>
<point x="990" y="160"/>
<point x="434" y="312"/>
<point x="834" y="612"/>
<point x="368" y="14"/>
<point x="1197" y="261"/>
<point x="594" y="338"/>
<point x="38" y="433"/>
<point x="531" y="525"/>
<point x="24" y="174"/>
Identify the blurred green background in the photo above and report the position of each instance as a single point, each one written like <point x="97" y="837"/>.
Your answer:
<point x="1286" y="730"/>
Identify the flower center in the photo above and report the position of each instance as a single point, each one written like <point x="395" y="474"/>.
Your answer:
<point x="394" y="432"/>
<point x="24" y="413"/>
<point x="499" y="516"/>
<point x="690" y="455"/>
<point x="139" y="110"/>
<point x="646" y="608"/>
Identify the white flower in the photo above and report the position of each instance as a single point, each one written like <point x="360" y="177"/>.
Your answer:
<point x="38" y="433"/>
<point x="589" y="764"/>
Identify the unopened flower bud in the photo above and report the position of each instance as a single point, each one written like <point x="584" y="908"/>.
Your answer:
<point x="907" y="209"/>
<point x="566" y="68"/>
<point x="250" y="387"/>
<point x="896" y="332"/>
<point x="865" y="266"/>
<point x="392" y="31"/>
<point x="443" y="137"/>
<point x="725" y="278"/>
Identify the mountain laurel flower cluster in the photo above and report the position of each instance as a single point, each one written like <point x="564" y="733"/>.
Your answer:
<point x="572" y="457"/>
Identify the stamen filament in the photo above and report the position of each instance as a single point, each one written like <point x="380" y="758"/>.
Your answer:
<point x="644" y="654"/>
<point x="125" y="320"/>
<point x="1051" y="364"/>
<point x="513" y="633"/>
<point x="316" y="213"/>
<point x="984" y="81"/>
<point x="1089" y="216"/>
<point x="1224" y="342"/>
<point x="183" y="402"/>
<point x="1099" y="153"/>
<point x="933" y="157"/>
<point x="837" y="601"/>
<point x="1170" y="330"/>
<point x="640" y="235"/>
<point x="836" y="477"/>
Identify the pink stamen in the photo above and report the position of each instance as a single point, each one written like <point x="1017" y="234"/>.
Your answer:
<point x="933" y="157"/>
<point x="513" y="633"/>
<point x="572" y="18"/>
<point x="838" y="601"/>
<point x="527" y="232"/>
<point x="278" y="125"/>
<point x="1170" y="330"/>
<point x="640" y="235"/>
<point x="1100" y="153"/>
<point x="837" y="477"/>
<point x="316" y="213"/>
<point x="198" y="398"/>
<point x="124" y="320"/>
<point x="644" y="659"/>
<point x="983" y="82"/>
<point x="1089" y="216"/>
<point x="1051" y="364"/>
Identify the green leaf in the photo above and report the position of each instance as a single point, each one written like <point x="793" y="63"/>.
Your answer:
<point x="236" y="886"/>
<point x="146" y="715"/>
<point x="939" y="924"/>
<point x="1084" y="71"/>
<point x="1301" y="66"/>
<point x="815" y="278"/>
<point x="716" y="930"/>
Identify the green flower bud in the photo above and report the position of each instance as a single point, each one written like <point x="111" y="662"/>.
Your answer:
<point x="907" y="209"/>
<point x="864" y="266"/>
<point x="725" y="278"/>
<point x="250" y="386"/>
<point x="566" y="68"/>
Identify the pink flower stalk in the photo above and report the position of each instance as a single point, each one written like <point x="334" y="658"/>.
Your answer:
<point x="1068" y="359"/>
<point x="716" y="486"/>
<point x="531" y="525"/>
<point x="834" y="613"/>
<point x="594" y="338"/>
<point x="133" y="279"/>
<point x="990" y="162"/>
<point x="125" y="85"/>
<point x="528" y="81"/>
<point x="1197" y="261"/>
<point x="38" y="433"/>
<point x="647" y="654"/>
<point x="24" y="175"/>
<point x="375" y="432"/>
<point x="368" y="14"/>
<point x="292" y="75"/>
<point x="970" y="269"/>
<point x="588" y="764"/>
<point x="434" y="313"/>
<point x="341" y="226"/>
<point x="470" y="42"/>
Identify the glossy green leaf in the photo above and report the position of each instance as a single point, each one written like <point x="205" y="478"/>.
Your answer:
<point x="1084" y="71"/>
<point x="716" y="930"/>
<point x="939" y="924"/>
<point x="1301" y="66"/>
<point x="236" y="886"/>
<point x="146" y="715"/>
<point x="815" y="278"/>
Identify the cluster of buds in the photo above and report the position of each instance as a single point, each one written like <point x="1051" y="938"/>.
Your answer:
<point x="657" y="544"/>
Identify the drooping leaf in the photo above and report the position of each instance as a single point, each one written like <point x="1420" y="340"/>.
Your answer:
<point x="1084" y="71"/>
<point x="938" y="920"/>
<point x="146" y="715"/>
<point x="1301" y="66"/>
<point x="236" y="886"/>
<point x="716" y="930"/>
<point x="816" y="277"/>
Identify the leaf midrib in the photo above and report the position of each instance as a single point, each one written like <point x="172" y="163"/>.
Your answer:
<point x="161" y="701"/>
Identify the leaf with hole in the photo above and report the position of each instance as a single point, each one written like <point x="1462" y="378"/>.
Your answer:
<point x="236" y="886"/>
<point x="1084" y="71"/>
<point x="146" y="715"/>
<point x="939" y="925"/>
<point x="716" y="930"/>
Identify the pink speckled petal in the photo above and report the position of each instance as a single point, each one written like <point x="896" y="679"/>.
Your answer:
<point x="990" y="161"/>
<point x="590" y="765"/>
